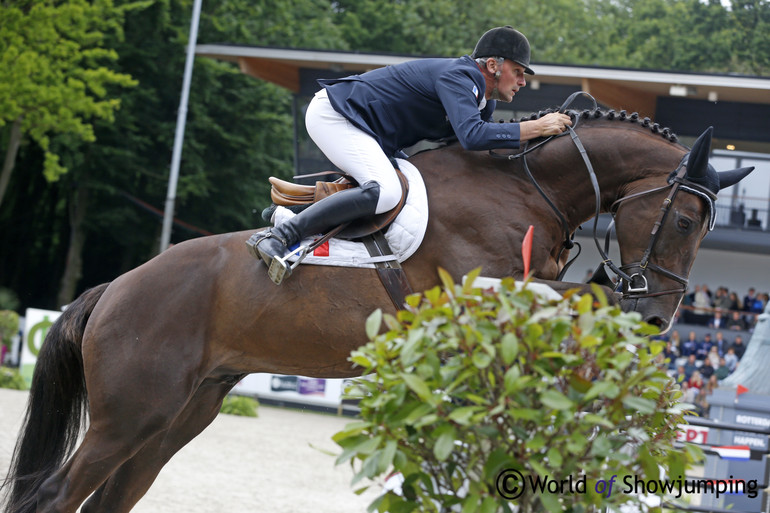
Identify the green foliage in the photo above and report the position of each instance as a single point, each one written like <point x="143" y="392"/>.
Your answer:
<point x="239" y="405"/>
<point x="8" y="299"/>
<point x="9" y="326"/>
<point x="52" y="69"/>
<point x="467" y="383"/>
<point x="10" y="378"/>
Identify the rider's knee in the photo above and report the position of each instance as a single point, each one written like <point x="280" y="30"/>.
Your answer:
<point x="389" y="195"/>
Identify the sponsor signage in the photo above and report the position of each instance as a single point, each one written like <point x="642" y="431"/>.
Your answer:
<point x="37" y="323"/>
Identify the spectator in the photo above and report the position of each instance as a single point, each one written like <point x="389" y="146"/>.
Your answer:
<point x="707" y="369"/>
<point x="676" y="341"/>
<point x="723" y="370"/>
<point x="671" y="354"/>
<point x="689" y="346"/>
<point x="702" y="397"/>
<point x="738" y="346"/>
<point x="690" y="367"/>
<point x="717" y="321"/>
<point x="713" y="357"/>
<point x="731" y="359"/>
<point x="736" y="322"/>
<point x="748" y="299"/>
<point x="703" y="347"/>
<point x="722" y="300"/>
<point x="680" y="376"/>
<point x="735" y="303"/>
<point x="694" y="386"/>
<point x="721" y="344"/>
<point x="701" y="305"/>
<point x="756" y="307"/>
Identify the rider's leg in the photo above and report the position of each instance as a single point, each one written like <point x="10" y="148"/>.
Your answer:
<point x="331" y="211"/>
<point x="352" y="150"/>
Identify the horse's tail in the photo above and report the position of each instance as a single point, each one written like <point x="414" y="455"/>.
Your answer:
<point x="57" y="408"/>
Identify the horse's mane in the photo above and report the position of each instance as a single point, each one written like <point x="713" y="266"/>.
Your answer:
<point x="610" y="115"/>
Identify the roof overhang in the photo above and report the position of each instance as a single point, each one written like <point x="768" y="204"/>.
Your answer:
<point x="633" y="90"/>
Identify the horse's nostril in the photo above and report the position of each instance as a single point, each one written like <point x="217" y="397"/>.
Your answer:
<point x="656" y="321"/>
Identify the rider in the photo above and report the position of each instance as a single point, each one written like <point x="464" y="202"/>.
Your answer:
<point x="361" y="120"/>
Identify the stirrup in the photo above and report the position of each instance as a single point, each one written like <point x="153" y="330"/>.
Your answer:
<point x="280" y="267"/>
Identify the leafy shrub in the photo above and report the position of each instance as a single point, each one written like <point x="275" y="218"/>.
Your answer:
<point x="9" y="326"/>
<point x="239" y="405"/>
<point x="473" y="395"/>
<point x="10" y="378"/>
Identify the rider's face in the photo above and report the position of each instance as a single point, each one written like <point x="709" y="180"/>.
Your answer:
<point x="511" y="79"/>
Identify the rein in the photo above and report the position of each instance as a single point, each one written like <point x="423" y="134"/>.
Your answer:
<point x="637" y="287"/>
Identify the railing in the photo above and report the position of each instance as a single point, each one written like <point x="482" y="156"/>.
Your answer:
<point x="751" y="214"/>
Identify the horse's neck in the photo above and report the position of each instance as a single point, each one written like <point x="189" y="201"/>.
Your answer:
<point x="621" y="167"/>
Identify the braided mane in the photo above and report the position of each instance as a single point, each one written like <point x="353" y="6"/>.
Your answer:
<point x="611" y="115"/>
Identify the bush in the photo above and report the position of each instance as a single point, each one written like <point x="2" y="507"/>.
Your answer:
<point x="239" y="405"/>
<point x="476" y="396"/>
<point x="9" y="326"/>
<point x="10" y="378"/>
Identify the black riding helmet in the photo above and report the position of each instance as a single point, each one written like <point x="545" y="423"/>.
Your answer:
<point x="504" y="42"/>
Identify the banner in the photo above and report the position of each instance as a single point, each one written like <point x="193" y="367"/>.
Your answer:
<point x="36" y="326"/>
<point x="293" y="389"/>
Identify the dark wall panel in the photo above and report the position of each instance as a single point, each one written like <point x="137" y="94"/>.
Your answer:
<point x="731" y="120"/>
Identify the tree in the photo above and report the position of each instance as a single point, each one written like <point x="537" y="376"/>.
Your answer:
<point x="750" y="45"/>
<point x="239" y="131"/>
<point x="51" y="75"/>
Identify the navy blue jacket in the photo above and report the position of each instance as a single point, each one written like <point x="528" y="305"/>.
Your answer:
<point x="405" y="103"/>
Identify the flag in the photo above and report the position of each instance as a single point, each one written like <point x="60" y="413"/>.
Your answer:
<point x="526" y="250"/>
<point x="733" y="452"/>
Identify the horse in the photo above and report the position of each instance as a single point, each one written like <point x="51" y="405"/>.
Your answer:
<point x="150" y="356"/>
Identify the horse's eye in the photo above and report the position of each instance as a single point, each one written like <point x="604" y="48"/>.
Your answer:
<point x="683" y="224"/>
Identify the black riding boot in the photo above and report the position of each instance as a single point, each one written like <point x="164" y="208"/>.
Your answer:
<point x="272" y="245"/>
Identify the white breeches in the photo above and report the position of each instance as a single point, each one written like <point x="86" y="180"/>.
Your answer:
<point x="352" y="150"/>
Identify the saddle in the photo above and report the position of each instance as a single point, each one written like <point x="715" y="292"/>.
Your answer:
<point x="293" y="195"/>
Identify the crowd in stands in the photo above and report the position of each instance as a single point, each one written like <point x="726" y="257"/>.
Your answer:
<point x="722" y="309"/>
<point x="700" y="363"/>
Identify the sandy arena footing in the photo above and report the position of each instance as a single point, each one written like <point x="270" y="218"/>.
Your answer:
<point x="271" y="463"/>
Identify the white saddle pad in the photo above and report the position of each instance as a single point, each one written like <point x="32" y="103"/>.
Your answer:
<point x="404" y="235"/>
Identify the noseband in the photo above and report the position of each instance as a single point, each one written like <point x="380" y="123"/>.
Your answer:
<point x="635" y="283"/>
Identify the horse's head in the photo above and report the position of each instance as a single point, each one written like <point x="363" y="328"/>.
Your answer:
<point x="675" y="218"/>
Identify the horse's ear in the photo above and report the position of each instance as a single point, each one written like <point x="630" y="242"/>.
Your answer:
<point x="728" y="178"/>
<point x="698" y="163"/>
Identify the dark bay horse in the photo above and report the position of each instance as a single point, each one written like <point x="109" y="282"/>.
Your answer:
<point x="152" y="355"/>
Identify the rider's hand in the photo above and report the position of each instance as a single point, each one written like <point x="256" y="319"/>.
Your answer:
<point x="550" y="124"/>
<point x="554" y="124"/>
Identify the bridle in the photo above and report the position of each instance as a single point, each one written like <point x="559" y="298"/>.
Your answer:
<point x="633" y="285"/>
<point x="636" y="283"/>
